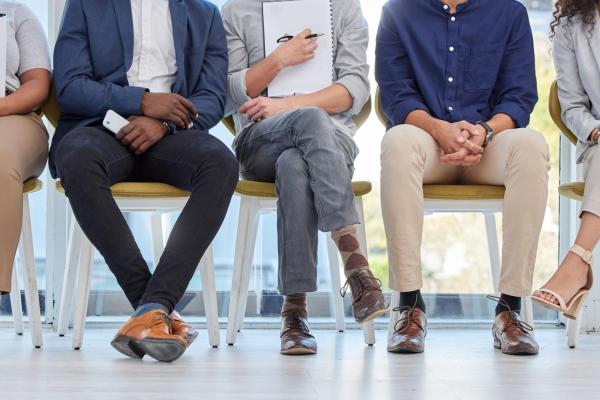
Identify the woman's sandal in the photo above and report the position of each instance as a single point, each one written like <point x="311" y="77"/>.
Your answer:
<point x="571" y="308"/>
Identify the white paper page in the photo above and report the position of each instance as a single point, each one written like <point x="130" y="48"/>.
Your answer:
<point x="3" y="27"/>
<point x="292" y="17"/>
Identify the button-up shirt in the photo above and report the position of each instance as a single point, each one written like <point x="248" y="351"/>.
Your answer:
<point x="468" y="65"/>
<point x="154" y="63"/>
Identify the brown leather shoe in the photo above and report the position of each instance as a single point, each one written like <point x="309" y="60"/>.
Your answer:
<point x="513" y="336"/>
<point x="183" y="329"/>
<point x="295" y="335"/>
<point x="368" y="301"/>
<point x="409" y="332"/>
<point x="151" y="334"/>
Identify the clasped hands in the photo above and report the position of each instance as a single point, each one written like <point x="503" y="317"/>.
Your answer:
<point x="461" y="143"/>
<point x="143" y="132"/>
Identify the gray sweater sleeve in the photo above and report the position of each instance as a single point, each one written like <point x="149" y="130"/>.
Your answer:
<point x="33" y="48"/>
<point x="238" y="63"/>
<point x="351" y="67"/>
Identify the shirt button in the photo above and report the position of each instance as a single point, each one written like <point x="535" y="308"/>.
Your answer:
<point x="450" y="79"/>
<point x="451" y="48"/>
<point x="446" y="6"/>
<point x="453" y="19"/>
<point x="450" y="109"/>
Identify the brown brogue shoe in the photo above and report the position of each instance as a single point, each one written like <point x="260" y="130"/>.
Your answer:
<point x="295" y="335"/>
<point x="409" y="332"/>
<point x="183" y="329"/>
<point x="368" y="301"/>
<point x="513" y="336"/>
<point x="150" y="333"/>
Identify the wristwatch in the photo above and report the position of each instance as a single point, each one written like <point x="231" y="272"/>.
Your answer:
<point x="489" y="133"/>
<point x="171" y="127"/>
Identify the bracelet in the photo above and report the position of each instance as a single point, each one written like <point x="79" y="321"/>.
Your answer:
<point x="595" y="134"/>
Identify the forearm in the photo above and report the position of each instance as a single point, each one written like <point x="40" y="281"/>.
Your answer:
<point x="501" y="122"/>
<point x="29" y="97"/>
<point x="334" y="99"/>
<point x="422" y="119"/>
<point x="261" y="75"/>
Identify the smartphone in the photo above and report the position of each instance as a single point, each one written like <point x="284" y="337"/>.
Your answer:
<point x="114" y="122"/>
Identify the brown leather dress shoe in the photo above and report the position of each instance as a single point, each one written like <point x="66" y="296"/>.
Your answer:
<point x="295" y="335"/>
<point x="183" y="329"/>
<point x="513" y="336"/>
<point x="409" y="332"/>
<point x="368" y="301"/>
<point x="151" y="334"/>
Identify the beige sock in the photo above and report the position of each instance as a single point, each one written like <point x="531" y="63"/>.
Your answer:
<point x="346" y="240"/>
<point x="295" y="302"/>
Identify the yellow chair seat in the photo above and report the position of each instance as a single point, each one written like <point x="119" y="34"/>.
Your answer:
<point x="267" y="190"/>
<point x="463" y="192"/>
<point x="141" y="189"/>
<point x="572" y="190"/>
<point x="32" y="185"/>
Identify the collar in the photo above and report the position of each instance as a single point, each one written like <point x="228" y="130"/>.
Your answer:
<point x="439" y="5"/>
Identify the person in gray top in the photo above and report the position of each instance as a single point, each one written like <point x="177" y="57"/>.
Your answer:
<point x="304" y="144"/>
<point x="23" y="137"/>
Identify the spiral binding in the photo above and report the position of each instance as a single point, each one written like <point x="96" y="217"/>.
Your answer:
<point x="332" y="36"/>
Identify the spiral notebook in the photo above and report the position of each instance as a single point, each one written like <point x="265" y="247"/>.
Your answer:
<point x="3" y="45"/>
<point x="282" y="18"/>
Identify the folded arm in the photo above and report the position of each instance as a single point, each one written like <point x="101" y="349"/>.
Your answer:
<point x="34" y="89"/>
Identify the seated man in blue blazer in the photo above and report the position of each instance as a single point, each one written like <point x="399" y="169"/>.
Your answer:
<point x="163" y="65"/>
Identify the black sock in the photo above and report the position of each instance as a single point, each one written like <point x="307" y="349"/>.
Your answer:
<point x="511" y="301"/>
<point x="412" y="299"/>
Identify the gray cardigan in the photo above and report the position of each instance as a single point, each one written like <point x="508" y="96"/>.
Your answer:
<point x="576" y="53"/>
<point x="244" y="28"/>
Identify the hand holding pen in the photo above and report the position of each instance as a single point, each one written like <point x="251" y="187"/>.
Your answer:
<point x="297" y="50"/>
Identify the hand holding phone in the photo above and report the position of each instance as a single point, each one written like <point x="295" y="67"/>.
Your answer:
<point x="114" y="122"/>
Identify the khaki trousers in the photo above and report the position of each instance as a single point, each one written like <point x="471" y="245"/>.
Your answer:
<point x="23" y="154"/>
<point x="518" y="159"/>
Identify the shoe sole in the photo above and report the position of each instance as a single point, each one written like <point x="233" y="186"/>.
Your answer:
<point x="164" y="350"/>
<point x="404" y="350"/>
<point x="128" y="346"/>
<point x="516" y="352"/>
<point x="373" y="315"/>
<point x="299" y="351"/>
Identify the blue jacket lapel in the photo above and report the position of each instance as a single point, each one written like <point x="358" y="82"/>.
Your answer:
<point x="179" y="21"/>
<point x="125" y="23"/>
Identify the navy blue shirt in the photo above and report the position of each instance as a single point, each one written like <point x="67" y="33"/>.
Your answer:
<point x="468" y="66"/>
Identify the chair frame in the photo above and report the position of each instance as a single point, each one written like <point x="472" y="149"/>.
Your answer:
<point x="28" y="272"/>
<point x="487" y="207"/>
<point x="251" y="209"/>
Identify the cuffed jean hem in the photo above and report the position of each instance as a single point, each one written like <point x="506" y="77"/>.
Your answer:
<point x="297" y="287"/>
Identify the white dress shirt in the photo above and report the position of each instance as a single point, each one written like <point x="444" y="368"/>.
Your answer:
<point x="154" y="63"/>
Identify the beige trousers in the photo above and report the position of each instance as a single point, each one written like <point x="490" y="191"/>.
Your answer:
<point x="516" y="158"/>
<point x="591" y="173"/>
<point x="23" y="154"/>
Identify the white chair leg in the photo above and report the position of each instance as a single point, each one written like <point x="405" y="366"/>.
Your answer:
<point x="66" y="301"/>
<point x="158" y="243"/>
<point x="573" y="328"/>
<point x="527" y="312"/>
<point x="394" y="315"/>
<point x="369" y="327"/>
<point x="209" y="294"/>
<point x="28" y="272"/>
<point x="244" y="252"/>
<point x="83" y="290"/>
<point x="337" y="302"/>
<point x="494" y="250"/>
<point x="15" y="302"/>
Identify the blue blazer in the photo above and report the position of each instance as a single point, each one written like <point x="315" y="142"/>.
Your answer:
<point x="94" y="51"/>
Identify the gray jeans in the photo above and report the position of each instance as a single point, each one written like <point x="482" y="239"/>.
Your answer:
<point x="311" y="163"/>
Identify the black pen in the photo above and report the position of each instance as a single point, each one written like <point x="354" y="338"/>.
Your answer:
<point x="287" y="38"/>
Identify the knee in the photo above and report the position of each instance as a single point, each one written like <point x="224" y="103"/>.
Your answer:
<point x="402" y="142"/>
<point x="223" y="162"/>
<point x="75" y="156"/>
<point x="314" y="120"/>
<point x="532" y="146"/>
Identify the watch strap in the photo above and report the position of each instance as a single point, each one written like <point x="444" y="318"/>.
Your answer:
<point x="489" y="132"/>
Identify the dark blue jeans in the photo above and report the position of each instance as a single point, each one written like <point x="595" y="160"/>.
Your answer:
<point x="90" y="160"/>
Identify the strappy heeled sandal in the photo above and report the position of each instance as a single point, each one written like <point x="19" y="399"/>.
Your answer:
<point x="571" y="308"/>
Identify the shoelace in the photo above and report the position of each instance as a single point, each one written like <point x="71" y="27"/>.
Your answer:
<point x="297" y="323"/>
<point x="365" y="282"/>
<point x="513" y="316"/>
<point x="407" y="319"/>
<point x="164" y="318"/>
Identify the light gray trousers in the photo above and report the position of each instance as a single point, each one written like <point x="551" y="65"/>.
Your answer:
<point x="311" y="163"/>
